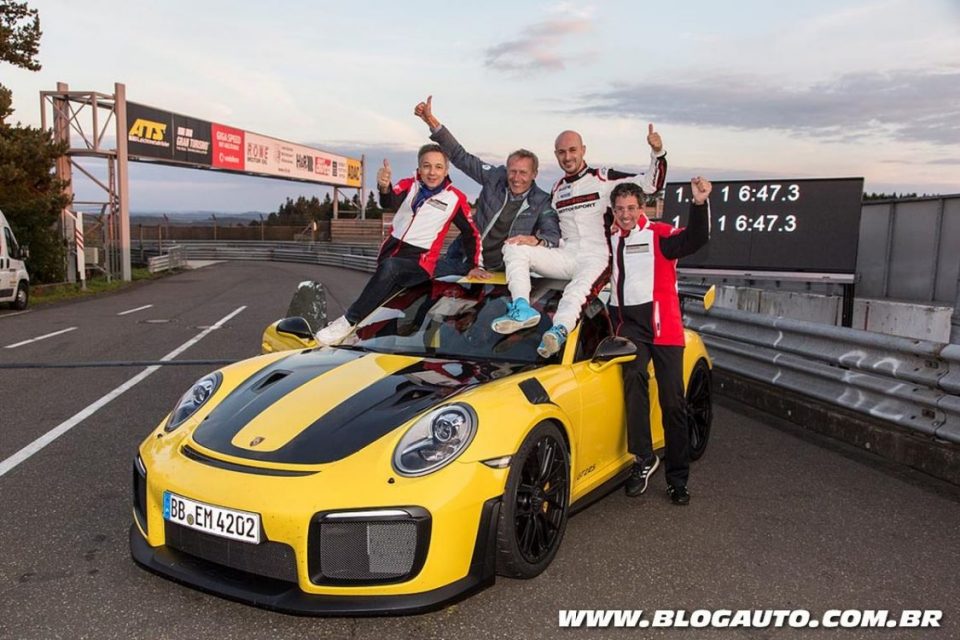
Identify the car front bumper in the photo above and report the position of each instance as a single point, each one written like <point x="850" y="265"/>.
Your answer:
<point x="287" y="597"/>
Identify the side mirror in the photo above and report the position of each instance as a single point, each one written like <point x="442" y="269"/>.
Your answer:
<point x="612" y="351"/>
<point x="287" y="334"/>
<point x="310" y="303"/>
<point x="297" y="327"/>
<point x="24" y="253"/>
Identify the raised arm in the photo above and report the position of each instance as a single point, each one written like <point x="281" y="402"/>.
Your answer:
<point x="391" y="196"/>
<point x="474" y="167"/>
<point x="656" y="175"/>
<point x="696" y="234"/>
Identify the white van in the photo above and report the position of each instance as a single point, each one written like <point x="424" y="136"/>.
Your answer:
<point x="14" y="281"/>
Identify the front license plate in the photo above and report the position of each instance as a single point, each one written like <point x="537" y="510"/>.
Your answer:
<point x="226" y="523"/>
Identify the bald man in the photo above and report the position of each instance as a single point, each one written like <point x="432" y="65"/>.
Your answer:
<point x="582" y="201"/>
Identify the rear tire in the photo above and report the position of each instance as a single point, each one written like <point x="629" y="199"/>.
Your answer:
<point x="699" y="409"/>
<point x="22" y="299"/>
<point x="533" y="516"/>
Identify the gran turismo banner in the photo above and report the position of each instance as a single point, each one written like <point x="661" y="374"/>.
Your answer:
<point x="166" y="137"/>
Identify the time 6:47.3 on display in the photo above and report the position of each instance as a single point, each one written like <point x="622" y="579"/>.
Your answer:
<point x="760" y="223"/>
<point x="754" y="193"/>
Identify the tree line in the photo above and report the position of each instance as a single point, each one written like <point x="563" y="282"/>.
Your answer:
<point x="303" y="210"/>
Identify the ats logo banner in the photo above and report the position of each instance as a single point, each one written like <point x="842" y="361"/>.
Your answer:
<point x="149" y="132"/>
<point x="228" y="150"/>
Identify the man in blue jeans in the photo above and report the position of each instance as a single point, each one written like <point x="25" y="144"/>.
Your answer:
<point x="511" y="208"/>
<point x="426" y="205"/>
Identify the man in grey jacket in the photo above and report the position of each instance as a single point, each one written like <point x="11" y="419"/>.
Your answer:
<point x="511" y="208"/>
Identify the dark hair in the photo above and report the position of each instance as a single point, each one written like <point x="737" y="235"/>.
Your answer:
<point x="428" y="148"/>
<point x="523" y="153"/>
<point x="627" y="189"/>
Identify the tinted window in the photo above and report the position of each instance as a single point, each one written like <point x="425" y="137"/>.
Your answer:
<point x="596" y="327"/>
<point x="449" y="319"/>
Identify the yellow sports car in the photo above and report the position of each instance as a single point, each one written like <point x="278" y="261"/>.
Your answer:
<point x="397" y="472"/>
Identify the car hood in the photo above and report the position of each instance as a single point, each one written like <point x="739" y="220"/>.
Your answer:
<point x="320" y="406"/>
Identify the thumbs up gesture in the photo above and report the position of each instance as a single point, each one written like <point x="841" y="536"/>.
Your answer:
<point x="653" y="139"/>
<point x="424" y="111"/>
<point x="383" y="176"/>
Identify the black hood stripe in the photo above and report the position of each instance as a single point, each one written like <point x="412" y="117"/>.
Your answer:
<point x="260" y="391"/>
<point x="367" y="415"/>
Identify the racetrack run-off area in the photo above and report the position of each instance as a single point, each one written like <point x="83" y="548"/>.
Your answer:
<point x="779" y="518"/>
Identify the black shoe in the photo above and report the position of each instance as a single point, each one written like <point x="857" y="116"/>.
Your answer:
<point x="640" y="475"/>
<point x="679" y="495"/>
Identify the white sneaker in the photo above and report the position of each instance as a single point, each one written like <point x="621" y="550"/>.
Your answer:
<point x="334" y="332"/>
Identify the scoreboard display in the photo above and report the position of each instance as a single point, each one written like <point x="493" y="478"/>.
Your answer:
<point x="775" y="225"/>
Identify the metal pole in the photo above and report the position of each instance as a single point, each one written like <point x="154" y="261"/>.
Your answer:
<point x="846" y="319"/>
<point x="955" y="319"/>
<point x="123" y="178"/>
<point x="336" y="203"/>
<point x="61" y="133"/>
<point x="363" y="202"/>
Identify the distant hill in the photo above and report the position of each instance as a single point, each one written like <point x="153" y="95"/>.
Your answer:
<point x="195" y="218"/>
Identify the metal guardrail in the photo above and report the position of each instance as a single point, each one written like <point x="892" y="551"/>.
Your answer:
<point x="912" y="383"/>
<point x="174" y="258"/>
<point x="361" y="257"/>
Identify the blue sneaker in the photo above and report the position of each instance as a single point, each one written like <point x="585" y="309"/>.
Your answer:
<point x="552" y="341"/>
<point x="520" y="315"/>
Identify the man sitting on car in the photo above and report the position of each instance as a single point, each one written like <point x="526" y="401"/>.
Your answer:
<point x="426" y="205"/>
<point x="511" y="208"/>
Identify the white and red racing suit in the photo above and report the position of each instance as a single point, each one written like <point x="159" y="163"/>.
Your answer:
<point x="582" y="202"/>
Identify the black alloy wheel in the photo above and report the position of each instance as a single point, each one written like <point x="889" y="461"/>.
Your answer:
<point x="699" y="409"/>
<point x="533" y="516"/>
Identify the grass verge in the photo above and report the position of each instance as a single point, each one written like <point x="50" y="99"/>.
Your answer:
<point x="46" y="294"/>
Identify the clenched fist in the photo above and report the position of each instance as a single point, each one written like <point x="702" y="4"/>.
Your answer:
<point x="653" y="139"/>
<point x="700" y="188"/>
<point x="383" y="176"/>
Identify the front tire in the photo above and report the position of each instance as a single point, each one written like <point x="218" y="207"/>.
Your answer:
<point x="533" y="516"/>
<point x="22" y="299"/>
<point x="699" y="409"/>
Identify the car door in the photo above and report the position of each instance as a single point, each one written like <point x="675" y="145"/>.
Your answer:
<point x="602" y="440"/>
<point x="7" y="270"/>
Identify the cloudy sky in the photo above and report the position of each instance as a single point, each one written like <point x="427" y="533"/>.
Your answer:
<point x="738" y="89"/>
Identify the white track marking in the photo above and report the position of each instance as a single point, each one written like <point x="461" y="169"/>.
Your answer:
<point x="14" y="314"/>
<point x="43" y="337"/>
<point x="123" y="313"/>
<point x="70" y="423"/>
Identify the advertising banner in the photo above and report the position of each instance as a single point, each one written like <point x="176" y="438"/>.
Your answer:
<point x="166" y="137"/>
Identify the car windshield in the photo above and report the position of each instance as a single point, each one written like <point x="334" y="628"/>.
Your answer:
<point x="452" y="320"/>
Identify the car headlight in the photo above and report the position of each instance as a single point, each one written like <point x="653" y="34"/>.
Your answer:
<point x="435" y="440"/>
<point x="193" y="399"/>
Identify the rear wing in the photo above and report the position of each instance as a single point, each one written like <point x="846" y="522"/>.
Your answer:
<point x="703" y="293"/>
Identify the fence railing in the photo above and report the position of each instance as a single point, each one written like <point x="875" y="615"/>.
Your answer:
<point x="173" y="258"/>
<point x="359" y="256"/>
<point x="912" y="383"/>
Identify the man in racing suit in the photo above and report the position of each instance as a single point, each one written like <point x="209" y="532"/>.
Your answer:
<point x="645" y="308"/>
<point x="426" y="205"/>
<point x="511" y="208"/>
<point x="582" y="200"/>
